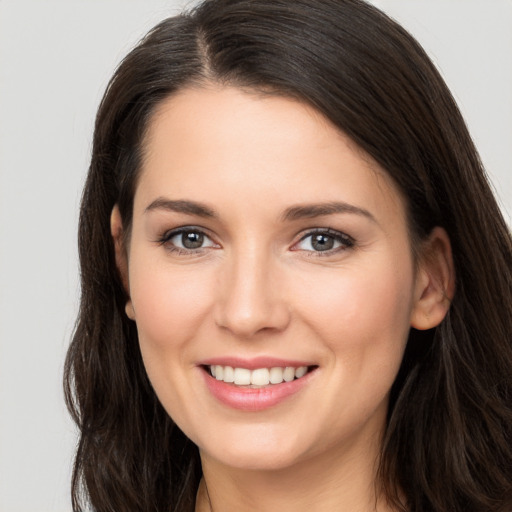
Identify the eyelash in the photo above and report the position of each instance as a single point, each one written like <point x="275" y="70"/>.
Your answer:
<point x="169" y="235"/>
<point x="345" y="241"/>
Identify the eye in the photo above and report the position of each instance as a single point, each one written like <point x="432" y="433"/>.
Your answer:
<point x="187" y="239"/>
<point x="324" y="241"/>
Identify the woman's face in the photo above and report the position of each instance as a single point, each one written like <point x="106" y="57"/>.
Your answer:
<point x="263" y="239"/>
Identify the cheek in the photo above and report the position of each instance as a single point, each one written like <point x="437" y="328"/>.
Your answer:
<point x="364" y="307"/>
<point x="168" y="304"/>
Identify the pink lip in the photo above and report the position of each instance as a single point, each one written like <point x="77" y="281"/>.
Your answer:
<point x="254" y="363"/>
<point x="254" y="399"/>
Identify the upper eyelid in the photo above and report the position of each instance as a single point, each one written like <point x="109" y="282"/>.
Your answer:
<point x="325" y="231"/>
<point x="346" y="242"/>
<point x="164" y="240"/>
<point x="170" y="233"/>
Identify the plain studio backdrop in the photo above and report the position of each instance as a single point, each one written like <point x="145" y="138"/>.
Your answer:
<point x="55" y="60"/>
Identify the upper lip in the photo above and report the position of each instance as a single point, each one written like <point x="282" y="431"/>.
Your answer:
<point x="254" y="363"/>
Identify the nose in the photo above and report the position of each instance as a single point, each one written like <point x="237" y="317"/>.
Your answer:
<point x="251" y="299"/>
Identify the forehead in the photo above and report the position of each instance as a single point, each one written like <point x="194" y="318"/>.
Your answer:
<point x="212" y="142"/>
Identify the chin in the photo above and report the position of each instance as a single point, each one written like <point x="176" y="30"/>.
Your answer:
<point x="261" y="450"/>
<point x="254" y="460"/>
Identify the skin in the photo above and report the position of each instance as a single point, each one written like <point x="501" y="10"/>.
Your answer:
<point x="257" y="287"/>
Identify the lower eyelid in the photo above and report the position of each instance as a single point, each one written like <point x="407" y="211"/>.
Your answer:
<point x="165" y="241"/>
<point x="345" y="240"/>
<point x="171" y="233"/>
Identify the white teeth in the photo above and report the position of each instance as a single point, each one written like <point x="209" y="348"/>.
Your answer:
<point x="276" y="375"/>
<point x="289" y="374"/>
<point x="229" y="374"/>
<point x="258" y="377"/>
<point x="242" y="376"/>
<point x="301" y="371"/>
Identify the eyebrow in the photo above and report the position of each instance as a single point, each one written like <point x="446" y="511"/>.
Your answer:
<point x="317" y="210"/>
<point x="181" y="206"/>
<point x="306" y="211"/>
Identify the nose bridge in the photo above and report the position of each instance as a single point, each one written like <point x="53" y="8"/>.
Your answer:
<point x="250" y="297"/>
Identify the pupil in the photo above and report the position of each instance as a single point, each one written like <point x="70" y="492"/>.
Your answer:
<point x="322" y="242"/>
<point x="192" y="240"/>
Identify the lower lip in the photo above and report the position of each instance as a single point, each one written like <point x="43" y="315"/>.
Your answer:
<point x="254" y="399"/>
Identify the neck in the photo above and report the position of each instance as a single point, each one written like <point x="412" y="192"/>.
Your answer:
<point x="342" y="480"/>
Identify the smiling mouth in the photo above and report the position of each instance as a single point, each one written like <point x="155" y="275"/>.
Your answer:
<point x="259" y="377"/>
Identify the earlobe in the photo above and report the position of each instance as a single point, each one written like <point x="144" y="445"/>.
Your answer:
<point x="116" y="230"/>
<point x="128" y="308"/>
<point x="435" y="281"/>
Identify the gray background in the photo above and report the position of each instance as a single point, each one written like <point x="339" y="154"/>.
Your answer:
<point x="55" y="60"/>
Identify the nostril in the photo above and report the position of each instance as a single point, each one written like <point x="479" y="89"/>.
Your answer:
<point x="250" y="306"/>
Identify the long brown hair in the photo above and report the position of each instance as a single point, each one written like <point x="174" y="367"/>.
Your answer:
<point x="448" y="441"/>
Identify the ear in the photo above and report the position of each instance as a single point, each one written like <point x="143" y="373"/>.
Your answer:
<point x="435" y="281"/>
<point x="116" y="229"/>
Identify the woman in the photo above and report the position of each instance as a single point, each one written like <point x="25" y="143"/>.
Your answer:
<point x="296" y="286"/>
